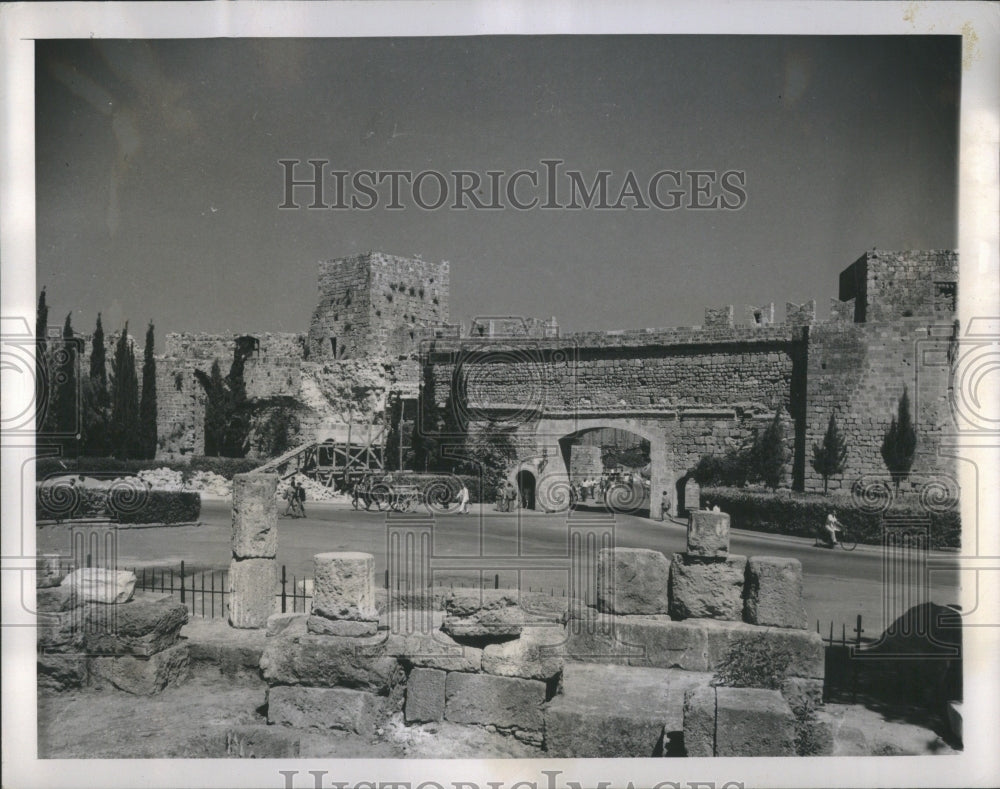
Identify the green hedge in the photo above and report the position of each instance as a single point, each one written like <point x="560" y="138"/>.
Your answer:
<point x="799" y="514"/>
<point x="163" y="506"/>
<point x="125" y="504"/>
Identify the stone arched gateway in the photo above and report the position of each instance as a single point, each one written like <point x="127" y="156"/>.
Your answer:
<point x="549" y="465"/>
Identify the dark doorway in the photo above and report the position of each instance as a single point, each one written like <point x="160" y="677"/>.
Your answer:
<point x="526" y="489"/>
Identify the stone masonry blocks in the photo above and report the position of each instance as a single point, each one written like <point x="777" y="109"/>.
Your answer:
<point x="425" y="695"/>
<point x="324" y="708"/>
<point x="699" y="721"/>
<point x="707" y="588"/>
<point x="737" y="722"/>
<point x="255" y="516"/>
<point x="252" y="587"/>
<point x="633" y="581"/>
<point x="506" y="702"/>
<point x="344" y="586"/>
<point x="774" y="592"/>
<point x="708" y="533"/>
<point x="144" y="676"/>
<point x="753" y="722"/>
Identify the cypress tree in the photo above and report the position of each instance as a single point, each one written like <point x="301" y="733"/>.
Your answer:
<point x="770" y="453"/>
<point x="43" y="405"/>
<point x="42" y="323"/>
<point x="147" y="405"/>
<point x="899" y="444"/>
<point x="98" y="363"/>
<point x="96" y="398"/>
<point x="67" y="400"/>
<point x="215" y="410"/>
<point x="124" y="400"/>
<point x="830" y="457"/>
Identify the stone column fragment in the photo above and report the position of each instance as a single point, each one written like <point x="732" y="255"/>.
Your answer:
<point x="344" y="586"/>
<point x="252" y="589"/>
<point x="255" y="516"/>
<point x="708" y="534"/>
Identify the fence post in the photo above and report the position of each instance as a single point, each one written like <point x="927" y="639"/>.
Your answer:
<point x="283" y="582"/>
<point x="183" y="598"/>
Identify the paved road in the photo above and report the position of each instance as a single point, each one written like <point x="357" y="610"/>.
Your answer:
<point x="838" y="585"/>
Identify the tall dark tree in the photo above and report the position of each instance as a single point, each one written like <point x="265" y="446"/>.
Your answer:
<point x="42" y="323"/>
<point x="44" y="398"/>
<point x="96" y="401"/>
<point x="216" y="416"/>
<point x="899" y="444"/>
<point x="424" y="442"/>
<point x="98" y="363"/>
<point x="770" y="453"/>
<point x="147" y="404"/>
<point x="67" y="395"/>
<point x="830" y="457"/>
<point x="124" y="400"/>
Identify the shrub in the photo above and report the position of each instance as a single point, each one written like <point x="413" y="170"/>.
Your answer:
<point x="830" y="457"/>
<point x="899" y="444"/>
<point x="769" y="454"/>
<point x="799" y="514"/>
<point x="157" y="506"/>
<point x="753" y="662"/>
<point x="162" y="506"/>
<point x="731" y="469"/>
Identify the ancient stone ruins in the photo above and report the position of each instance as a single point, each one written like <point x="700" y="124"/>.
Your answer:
<point x="630" y="667"/>
<point x="380" y="333"/>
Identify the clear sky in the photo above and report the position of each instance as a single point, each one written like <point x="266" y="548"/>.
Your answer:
<point x="158" y="181"/>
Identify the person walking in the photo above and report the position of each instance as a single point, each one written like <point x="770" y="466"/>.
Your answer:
<point x="290" y="496"/>
<point x="300" y="495"/>
<point x="463" y="500"/>
<point x="664" y="506"/>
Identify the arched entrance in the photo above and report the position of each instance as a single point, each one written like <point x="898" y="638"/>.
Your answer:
<point x="651" y="473"/>
<point x="526" y="488"/>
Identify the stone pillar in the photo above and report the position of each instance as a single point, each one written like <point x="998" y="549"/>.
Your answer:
<point x="660" y="479"/>
<point x="253" y="574"/>
<point x="692" y="495"/>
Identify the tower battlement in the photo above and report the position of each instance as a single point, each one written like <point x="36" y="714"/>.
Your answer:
<point x="374" y="304"/>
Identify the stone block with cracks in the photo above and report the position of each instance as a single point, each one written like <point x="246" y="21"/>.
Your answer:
<point x="633" y="581"/>
<point x="753" y="722"/>
<point x="343" y="709"/>
<point x="774" y="592"/>
<point x="707" y="588"/>
<point x="143" y="676"/>
<point x="504" y="702"/>
<point x="425" y="695"/>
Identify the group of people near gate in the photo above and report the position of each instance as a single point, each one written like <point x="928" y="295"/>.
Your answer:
<point x="507" y="497"/>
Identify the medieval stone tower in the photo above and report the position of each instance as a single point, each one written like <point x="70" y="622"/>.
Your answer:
<point x="375" y="304"/>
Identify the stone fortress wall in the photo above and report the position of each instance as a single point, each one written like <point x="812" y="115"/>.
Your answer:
<point x="381" y="328"/>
